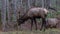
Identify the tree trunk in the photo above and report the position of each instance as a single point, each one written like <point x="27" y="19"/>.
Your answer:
<point x="3" y="14"/>
<point x="29" y="4"/>
<point x="8" y="12"/>
<point x="14" y="10"/>
<point x="42" y="3"/>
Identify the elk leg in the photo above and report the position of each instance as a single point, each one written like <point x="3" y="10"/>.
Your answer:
<point x="43" y="24"/>
<point x="31" y="23"/>
<point x="35" y="23"/>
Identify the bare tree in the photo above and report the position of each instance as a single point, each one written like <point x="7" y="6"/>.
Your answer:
<point x="8" y="11"/>
<point x="14" y="10"/>
<point x="3" y="14"/>
<point x="29" y="4"/>
<point x="42" y="3"/>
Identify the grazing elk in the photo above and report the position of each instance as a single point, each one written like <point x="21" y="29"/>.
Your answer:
<point x="51" y="22"/>
<point x="32" y="14"/>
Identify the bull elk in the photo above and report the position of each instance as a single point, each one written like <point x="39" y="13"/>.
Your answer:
<point x="32" y="14"/>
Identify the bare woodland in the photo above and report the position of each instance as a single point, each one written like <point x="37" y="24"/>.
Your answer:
<point x="11" y="10"/>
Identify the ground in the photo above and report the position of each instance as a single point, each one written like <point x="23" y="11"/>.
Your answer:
<point x="49" y="31"/>
<point x="26" y="30"/>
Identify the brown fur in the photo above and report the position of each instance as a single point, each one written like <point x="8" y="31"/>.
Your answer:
<point x="51" y="22"/>
<point x="32" y="14"/>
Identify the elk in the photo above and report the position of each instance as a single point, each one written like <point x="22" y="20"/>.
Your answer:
<point x="51" y="22"/>
<point x="32" y="14"/>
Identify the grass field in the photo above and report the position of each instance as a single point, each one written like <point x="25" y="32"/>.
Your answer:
<point x="49" y="31"/>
